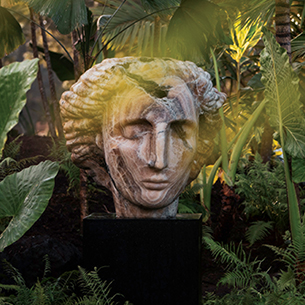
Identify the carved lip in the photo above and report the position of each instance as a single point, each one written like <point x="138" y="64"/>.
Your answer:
<point x="154" y="184"/>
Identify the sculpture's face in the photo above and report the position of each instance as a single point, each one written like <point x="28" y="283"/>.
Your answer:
<point x="150" y="145"/>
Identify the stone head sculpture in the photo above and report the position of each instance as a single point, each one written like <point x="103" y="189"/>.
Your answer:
<point x="143" y="128"/>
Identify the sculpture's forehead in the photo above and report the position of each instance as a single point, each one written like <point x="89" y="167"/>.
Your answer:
<point x="138" y="105"/>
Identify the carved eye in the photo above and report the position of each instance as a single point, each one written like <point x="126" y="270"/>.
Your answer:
<point x="183" y="129"/>
<point x="136" y="130"/>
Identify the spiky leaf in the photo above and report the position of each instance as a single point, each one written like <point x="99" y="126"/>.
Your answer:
<point x="132" y="26"/>
<point x="24" y="196"/>
<point x="66" y="14"/>
<point x="283" y="97"/>
<point x="15" y="80"/>
<point x="10" y="32"/>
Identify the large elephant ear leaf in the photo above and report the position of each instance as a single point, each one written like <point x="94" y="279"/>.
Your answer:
<point x="24" y="196"/>
<point x="194" y="28"/>
<point x="15" y="80"/>
<point x="283" y="96"/>
<point x="10" y="32"/>
<point x="66" y="14"/>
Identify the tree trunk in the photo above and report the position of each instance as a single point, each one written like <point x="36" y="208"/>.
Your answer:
<point x="282" y="25"/>
<point x="83" y="196"/>
<point x="77" y="71"/>
<point x="51" y="81"/>
<point x="39" y="79"/>
<point x="156" y="50"/>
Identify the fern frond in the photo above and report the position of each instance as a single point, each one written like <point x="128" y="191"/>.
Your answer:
<point x="285" y="254"/>
<point x="47" y="266"/>
<point x="236" y="278"/>
<point x="258" y="230"/>
<point x="229" y="255"/>
<point x="12" y="149"/>
<point x="286" y="279"/>
<point x="13" y="273"/>
<point x="94" y="288"/>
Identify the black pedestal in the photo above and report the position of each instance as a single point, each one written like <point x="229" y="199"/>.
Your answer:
<point x="150" y="261"/>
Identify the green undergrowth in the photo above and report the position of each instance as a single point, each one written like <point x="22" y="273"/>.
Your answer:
<point x="77" y="287"/>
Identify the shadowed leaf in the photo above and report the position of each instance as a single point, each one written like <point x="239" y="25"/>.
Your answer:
<point x="24" y="196"/>
<point x="10" y="33"/>
<point x="66" y="14"/>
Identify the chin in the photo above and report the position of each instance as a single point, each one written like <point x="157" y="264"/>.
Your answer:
<point x="155" y="199"/>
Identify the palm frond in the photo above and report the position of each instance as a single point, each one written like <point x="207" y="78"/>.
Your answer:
<point x="283" y="97"/>
<point x="257" y="11"/>
<point x="134" y="27"/>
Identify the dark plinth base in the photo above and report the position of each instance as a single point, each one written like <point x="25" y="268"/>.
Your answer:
<point x="150" y="261"/>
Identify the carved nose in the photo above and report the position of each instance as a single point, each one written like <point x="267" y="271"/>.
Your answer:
<point x="158" y="158"/>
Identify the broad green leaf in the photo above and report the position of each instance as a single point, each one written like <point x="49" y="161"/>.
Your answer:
<point x="298" y="170"/>
<point x="10" y="33"/>
<point x="24" y="196"/>
<point x="255" y="81"/>
<point x="15" y="80"/>
<point x="66" y="14"/>
<point x="283" y="97"/>
<point x="194" y="28"/>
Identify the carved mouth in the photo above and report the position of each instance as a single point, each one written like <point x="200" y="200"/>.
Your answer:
<point x="155" y="184"/>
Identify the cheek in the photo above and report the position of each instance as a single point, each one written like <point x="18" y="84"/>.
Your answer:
<point x="181" y="154"/>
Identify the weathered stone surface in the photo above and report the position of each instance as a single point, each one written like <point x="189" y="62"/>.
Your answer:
<point x="143" y="128"/>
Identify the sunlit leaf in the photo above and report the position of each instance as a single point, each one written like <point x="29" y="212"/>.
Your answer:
<point x="243" y="38"/>
<point x="15" y="80"/>
<point x="283" y="97"/>
<point x="66" y="14"/>
<point x="24" y="196"/>
<point x="256" y="11"/>
<point x="10" y="33"/>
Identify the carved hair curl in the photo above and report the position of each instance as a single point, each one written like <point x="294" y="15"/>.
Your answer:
<point x="84" y="105"/>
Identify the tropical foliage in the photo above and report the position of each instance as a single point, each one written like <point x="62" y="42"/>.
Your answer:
<point x="234" y="41"/>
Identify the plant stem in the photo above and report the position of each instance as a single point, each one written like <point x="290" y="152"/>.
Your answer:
<point x="223" y="137"/>
<point x="293" y="207"/>
<point x="156" y="36"/>
<point x="51" y="81"/>
<point x="77" y="71"/>
<point x="39" y="79"/>
<point x="33" y="21"/>
<point x="238" y="86"/>
<point x="242" y="140"/>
